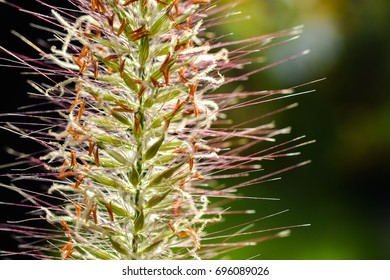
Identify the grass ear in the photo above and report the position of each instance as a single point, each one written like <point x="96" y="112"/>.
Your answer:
<point x="138" y="150"/>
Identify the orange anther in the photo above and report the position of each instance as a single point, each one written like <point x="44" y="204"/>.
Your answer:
<point x="98" y="6"/>
<point x="122" y="27"/>
<point x="137" y="121"/>
<point x="73" y="159"/>
<point x="67" y="250"/>
<point x="139" y="33"/>
<point x="122" y="108"/>
<point x="83" y="66"/>
<point x="182" y="70"/>
<point x="128" y="2"/>
<point x="183" y="234"/>
<point x="166" y="62"/>
<point x="122" y="68"/>
<point x="155" y="82"/>
<point x="91" y="147"/>
<point x="110" y="20"/>
<point x="94" y="213"/>
<point x="192" y="92"/>
<point x="109" y="210"/>
<point x="176" y="5"/>
<point x="65" y="225"/>
<point x="167" y="76"/>
<point x="78" y="182"/>
<point x="195" y="108"/>
<point x="182" y="183"/>
<point x="85" y="52"/>
<point x="172" y="226"/>
<point x="77" y="61"/>
<point x="96" y="156"/>
<point x="81" y="110"/>
<point x="96" y="69"/>
<point x="75" y="102"/>
<point x="65" y="174"/>
<point x="179" y="105"/>
<point x="141" y="91"/>
<point x="198" y="176"/>
<point x="78" y="210"/>
<point x="112" y="57"/>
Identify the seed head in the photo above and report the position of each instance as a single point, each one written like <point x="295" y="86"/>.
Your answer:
<point x="139" y="134"/>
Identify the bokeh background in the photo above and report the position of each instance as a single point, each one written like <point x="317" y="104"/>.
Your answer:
<point x="345" y="192"/>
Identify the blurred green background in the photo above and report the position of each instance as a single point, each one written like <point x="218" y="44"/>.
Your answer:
<point x="344" y="193"/>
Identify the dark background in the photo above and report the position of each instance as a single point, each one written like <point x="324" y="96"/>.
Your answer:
<point x="344" y="193"/>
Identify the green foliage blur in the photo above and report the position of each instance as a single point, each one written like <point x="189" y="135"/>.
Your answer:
<point x="344" y="193"/>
